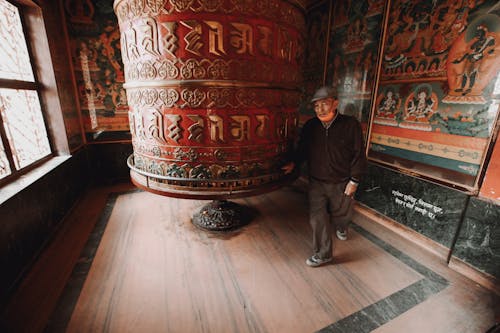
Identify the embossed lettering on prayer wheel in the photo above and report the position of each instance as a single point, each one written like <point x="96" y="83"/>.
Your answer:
<point x="213" y="91"/>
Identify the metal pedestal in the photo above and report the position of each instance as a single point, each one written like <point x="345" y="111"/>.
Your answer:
<point x="222" y="215"/>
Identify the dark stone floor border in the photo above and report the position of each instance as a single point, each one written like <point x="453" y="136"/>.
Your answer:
<point x="385" y="310"/>
<point x="365" y="320"/>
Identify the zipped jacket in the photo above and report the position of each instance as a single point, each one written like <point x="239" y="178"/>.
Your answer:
<point x="335" y="154"/>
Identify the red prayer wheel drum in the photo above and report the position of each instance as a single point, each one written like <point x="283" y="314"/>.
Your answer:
<point x="213" y="91"/>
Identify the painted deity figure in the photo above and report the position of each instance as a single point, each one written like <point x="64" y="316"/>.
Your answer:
<point x="481" y="45"/>
<point x="421" y="106"/>
<point x="388" y="105"/>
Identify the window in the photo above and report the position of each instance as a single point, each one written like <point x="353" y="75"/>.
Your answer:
<point x="24" y="140"/>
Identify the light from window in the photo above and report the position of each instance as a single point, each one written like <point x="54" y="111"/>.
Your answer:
<point x="23" y="136"/>
<point x="15" y="62"/>
<point x="24" y="126"/>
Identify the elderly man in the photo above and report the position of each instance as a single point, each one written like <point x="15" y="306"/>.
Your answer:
<point x="332" y="145"/>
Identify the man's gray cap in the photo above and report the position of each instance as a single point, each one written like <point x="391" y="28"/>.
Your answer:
<point x="324" y="92"/>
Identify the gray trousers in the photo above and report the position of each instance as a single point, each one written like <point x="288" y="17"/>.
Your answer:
<point x="328" y="207"/>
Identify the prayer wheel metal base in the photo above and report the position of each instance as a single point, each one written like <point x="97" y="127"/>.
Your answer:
<point x="222" y="215"/>
<point x="207" y="189"/>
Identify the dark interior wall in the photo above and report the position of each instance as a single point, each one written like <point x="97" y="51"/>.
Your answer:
<point x="108" y="162"/>
<point x="30" y="217"/>
<point x="436" y="212"/>
<point x="478" y="241"/>
<point x="432" y="210"/>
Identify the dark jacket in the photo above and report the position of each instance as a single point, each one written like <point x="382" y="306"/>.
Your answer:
<point x="335" y="154"/>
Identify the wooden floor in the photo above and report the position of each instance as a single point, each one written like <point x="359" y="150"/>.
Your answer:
<point x="141" y="266"/>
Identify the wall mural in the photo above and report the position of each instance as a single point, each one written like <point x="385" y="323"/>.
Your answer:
<point x="315" y="55"/>
<point x="439" y="91"/>
<point x="95" y="48"/>
<point x="352" y="55"/>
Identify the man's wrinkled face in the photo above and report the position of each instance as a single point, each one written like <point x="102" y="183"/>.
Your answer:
<point x="325" y="109"/>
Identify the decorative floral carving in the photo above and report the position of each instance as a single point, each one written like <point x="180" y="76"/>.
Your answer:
<point x="190" y="154"/>
<point x="200" y="172"/>
<point x="155" y="6"/>
<point x="167" y="70"/>
<point x="156" y="151"/>
<point x="169" y="97"/>
<point x="219" y="70"/>
<point x="182" y="5"/>
<point x="173" y="170"/>
<point x="193" y="98"/>
<point x="219" y="97"/>
<point x="210" y="5"/>
<point x="147" y="71"/>
<point x="220" y="154"/>
<point x="149" y="97"/>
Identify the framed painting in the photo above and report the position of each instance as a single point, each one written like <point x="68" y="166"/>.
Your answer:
<point x="354" y="44"/>
<point x="437" y="100"/>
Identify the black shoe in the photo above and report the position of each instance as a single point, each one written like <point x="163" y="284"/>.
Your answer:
<point x="316" y="261"/>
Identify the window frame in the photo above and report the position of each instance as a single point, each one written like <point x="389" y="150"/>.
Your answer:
<point x="44" y="84"/>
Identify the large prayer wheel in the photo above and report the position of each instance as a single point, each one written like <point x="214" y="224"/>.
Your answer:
<point x="213" y="91"/>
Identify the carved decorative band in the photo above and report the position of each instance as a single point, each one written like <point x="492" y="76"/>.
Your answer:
<point x="204" y="83"/>
<point x="208" y="154"/>
<point x="210" y="97"/>
<point x="208" y="189"/>
<point x="205" y="172"/>
<point x="204" y="69"/>
<point x="289" y="12"/>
